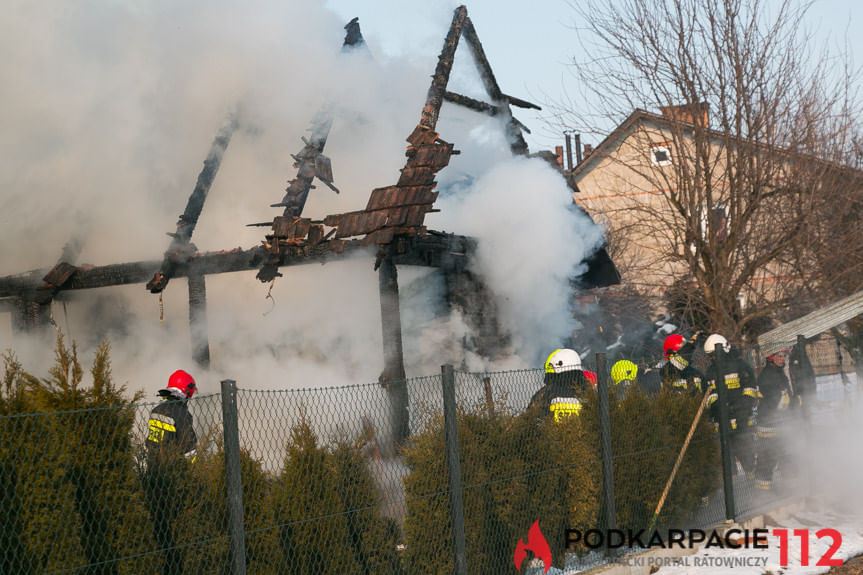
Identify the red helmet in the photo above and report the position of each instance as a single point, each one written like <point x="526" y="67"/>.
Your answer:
<point x="183" y="381"/>
<point x="591" y="377"/>
<point x="672" y="343"/>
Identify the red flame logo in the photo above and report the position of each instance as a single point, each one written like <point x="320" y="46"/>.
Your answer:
<point x="535" y="542"/>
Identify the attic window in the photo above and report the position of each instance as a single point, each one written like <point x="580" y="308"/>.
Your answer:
<point x="660" y="154"/>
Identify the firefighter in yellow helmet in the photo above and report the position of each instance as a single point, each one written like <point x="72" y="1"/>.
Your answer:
<point x="565" y="385"/>
<point x="624" y="374"/>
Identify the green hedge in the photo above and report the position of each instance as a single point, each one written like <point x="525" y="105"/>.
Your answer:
<point x="72" y="495"/>
<point x="517" y="468"/>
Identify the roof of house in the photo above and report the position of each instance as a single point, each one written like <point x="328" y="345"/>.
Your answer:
<point x="639" y="116"/>
<point x="613" y="140"/>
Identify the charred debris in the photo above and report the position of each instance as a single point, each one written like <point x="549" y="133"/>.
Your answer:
<point x="392" y="223"/>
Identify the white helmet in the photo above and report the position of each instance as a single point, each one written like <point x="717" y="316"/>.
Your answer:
<point x="562" y="360"/>
<point x="713" y="340"/>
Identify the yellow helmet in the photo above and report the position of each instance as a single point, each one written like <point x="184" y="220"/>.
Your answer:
<point x="562" y="360"/>
<point x="623" y="370"/>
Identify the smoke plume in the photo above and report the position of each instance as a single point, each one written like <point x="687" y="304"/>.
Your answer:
<point x="108" y="113"/>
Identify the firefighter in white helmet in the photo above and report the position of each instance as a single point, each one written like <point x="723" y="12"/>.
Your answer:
<point x="741" y="392"/>
<point x="565" y="385"/>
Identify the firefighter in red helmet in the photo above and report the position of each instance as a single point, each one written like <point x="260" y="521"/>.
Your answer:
<point x="170" y="424"/>
<point x="676" y="370"/>
<point x="171" y="442"/>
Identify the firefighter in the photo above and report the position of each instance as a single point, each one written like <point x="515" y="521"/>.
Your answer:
<point x="624" y="374"/>
<point x="802" y="380"/>
<point x="564" y="384"/>
<point x="170" y="424"/>
<point x="741" y="394"/>
<point x="170" y="444"/>
<point x="676" y="371"/>
<point x="773" y="397"/>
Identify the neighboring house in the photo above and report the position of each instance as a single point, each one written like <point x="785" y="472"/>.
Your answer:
<point x="629" y="168"/>
<point x="630" y="182"/>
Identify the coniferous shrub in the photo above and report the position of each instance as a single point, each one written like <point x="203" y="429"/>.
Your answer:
<point x="14" y="432"/>
<point x="511" y="475"/>
<point x="520" y="468"/>
<point x="313" y="532"/>
<point x="206" y="517"/>
<point x="372" y="538"/>
<point x="648" y="433"/>
<point x="71" y="486"/>
<point x="700" y="473"/>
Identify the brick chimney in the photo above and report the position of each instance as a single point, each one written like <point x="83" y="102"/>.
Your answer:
<point x="697" y="114"/>
<point x="558" y="155"/>
<point x="587" y="150"/>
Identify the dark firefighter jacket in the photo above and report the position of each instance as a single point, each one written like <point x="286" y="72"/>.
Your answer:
<point x="802" y="375"/>
<point x="741" y="391"/>
<point x="677" y="374"/>
<point x="771" y="384"/>
<point x="561" y="395"/>
<point x="170" y="427"/>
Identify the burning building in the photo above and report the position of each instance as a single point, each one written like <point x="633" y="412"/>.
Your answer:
<point x="391" y="230"/>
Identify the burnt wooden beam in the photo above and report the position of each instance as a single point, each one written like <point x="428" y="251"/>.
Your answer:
<point x="517" y="143"/>
<point x="519" y="103"/>
<point x="181" y="249"/>
<point x="434" y="99"/>
<point x="485" y="72"/>
<point x="310" y="163"/>
<point x="33" y="307"/>
<point x="482" y="107"/>
<point x="471" y="103"/>
<point x="198" y="316"/>
<point x="393" y="375"/>
<point x="433" y="250"/>
<point x="353" y="35"/>
<point x="31" y="312"/>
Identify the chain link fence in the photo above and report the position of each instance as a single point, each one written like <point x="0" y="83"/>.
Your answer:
<point x="316" y="484"/>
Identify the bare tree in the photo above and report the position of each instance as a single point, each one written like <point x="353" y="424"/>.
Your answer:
<point x="828" y="251"/>
<point x="752" y="132"/>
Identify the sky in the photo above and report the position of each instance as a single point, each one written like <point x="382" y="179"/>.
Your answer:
<point x="530" y="44"/>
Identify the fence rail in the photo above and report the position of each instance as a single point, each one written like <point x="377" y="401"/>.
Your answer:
<point x="311" y="481"/>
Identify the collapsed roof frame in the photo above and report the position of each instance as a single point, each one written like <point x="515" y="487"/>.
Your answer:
<point x="392" y="221"/>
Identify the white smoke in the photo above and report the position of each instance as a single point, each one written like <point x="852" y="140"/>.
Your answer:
<point x="108" y="113"/>
<point x="530" y="244"/>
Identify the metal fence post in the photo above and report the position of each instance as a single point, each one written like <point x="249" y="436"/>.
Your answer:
<point x="605" y="443"/>
<point x="724" y="432"/>
<point x="233" y="481"/>
<point x="456" y="505"/>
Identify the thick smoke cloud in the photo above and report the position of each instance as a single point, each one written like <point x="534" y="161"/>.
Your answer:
<point x="108" y="112"/>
